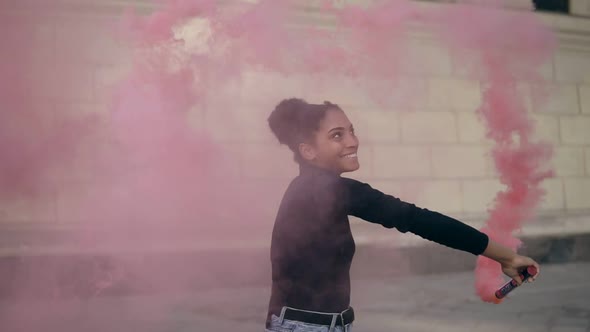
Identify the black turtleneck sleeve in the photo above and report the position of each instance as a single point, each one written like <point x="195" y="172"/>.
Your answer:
<point x="372" y="205"/>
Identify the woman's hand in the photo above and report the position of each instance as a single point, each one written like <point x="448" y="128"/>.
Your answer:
<point x="512" y="263"/>
<point x="514" y="266"/>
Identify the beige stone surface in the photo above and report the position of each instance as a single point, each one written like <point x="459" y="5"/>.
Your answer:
<point x="454" y="93"/>
<point x="546" y="128"/>
<point x="382" y="126"/>
<point x="471" y="128"/>
<point x="577" y="193"/>
<point x="555" y="99"/>
<point x="478" y="194"/>
<point x="423" y="141"/>
<point x="569" y="161"/>
<point x="429" y="127"/>
<point x="584" y="92"/>
<point x="439" y="195"/>
<point x="265" y="89"/>
<point x="575" y="129"/>
<point x="359" y="121"/>
<point x="267" y="161"/>
<point x="554" y="198"/>
<point x="459" y="161"/>
<point x="572" y="66"/>
<point x="465" y="95"/>
<point x="580" y="7"/>
<point x="401" y="161"/>
<point x="435" y="58"/>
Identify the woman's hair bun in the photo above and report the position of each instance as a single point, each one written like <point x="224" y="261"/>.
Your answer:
<point x="285" y="118"/>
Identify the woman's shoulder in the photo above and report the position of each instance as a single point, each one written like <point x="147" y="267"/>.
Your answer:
<point x="315" y="189"/>
<point x="355" y="184"/>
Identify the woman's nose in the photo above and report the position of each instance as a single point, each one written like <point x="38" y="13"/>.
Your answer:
<point x="352" y="141"/>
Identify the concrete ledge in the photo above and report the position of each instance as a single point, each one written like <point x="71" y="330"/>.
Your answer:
<point x="88" y="275"/>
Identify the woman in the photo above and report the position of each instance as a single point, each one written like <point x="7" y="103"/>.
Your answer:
<point x="312" y="245"/>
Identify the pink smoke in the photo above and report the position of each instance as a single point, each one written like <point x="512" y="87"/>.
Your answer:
<point x="30" y="131"/>
<point x="510" y="48"/>
<point x="161" y="181"/>
<point x="368" y="45"/>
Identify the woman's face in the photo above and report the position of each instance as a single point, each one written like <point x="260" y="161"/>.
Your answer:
<point x="335" y="145"/>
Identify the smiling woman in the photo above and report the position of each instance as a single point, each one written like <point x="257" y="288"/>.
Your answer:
<point x="320" y="135"/>
<point x="312" y="245"/>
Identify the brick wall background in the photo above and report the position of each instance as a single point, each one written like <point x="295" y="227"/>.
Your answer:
<point x="434" y="154"/>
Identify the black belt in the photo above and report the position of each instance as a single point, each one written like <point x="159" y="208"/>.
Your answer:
<point x="344" y="318"/>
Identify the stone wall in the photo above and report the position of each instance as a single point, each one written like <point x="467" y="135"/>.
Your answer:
<point x="447" y="170"/>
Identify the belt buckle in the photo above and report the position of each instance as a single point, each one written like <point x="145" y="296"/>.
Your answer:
<point x="344" y="325"/>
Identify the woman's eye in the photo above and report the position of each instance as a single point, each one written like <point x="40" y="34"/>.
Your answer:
<point x="336" y="135"/>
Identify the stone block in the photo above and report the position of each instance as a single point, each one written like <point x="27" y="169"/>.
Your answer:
<point x="569" y="161"/>
<point x="577" y="193"/>
<point x="401" y="161"/>
<point x="554" y="198"/>
<point x="428" y="127"/>
<point x="546" y="128"/>
<point x="555" y="99"/>
<point x="459" y="161"/>
<point x="439" y="195"/>
<point x="453" y="93"/>
<point x="478" y="194"/>
<point x="267" y="161"/>
<point x="382" y="126"/>
<point x="575" y="129"/>
<point x="571" y="66"/>
<point x="427" y="57"/>
<point x="471" y="128"/>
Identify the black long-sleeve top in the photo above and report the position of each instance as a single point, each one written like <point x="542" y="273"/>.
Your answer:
<point x="312" y="245"/>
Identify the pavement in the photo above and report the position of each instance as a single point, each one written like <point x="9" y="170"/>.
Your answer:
<point x="558" y="301"/>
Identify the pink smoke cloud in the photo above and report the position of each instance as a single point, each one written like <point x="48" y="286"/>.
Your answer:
<point x="510" y="48"/>
<point x="171" y="182"/>
<point x="368" y="44"/>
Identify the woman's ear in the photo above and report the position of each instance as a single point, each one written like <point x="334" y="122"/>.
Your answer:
<point x="307" y="151"/>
